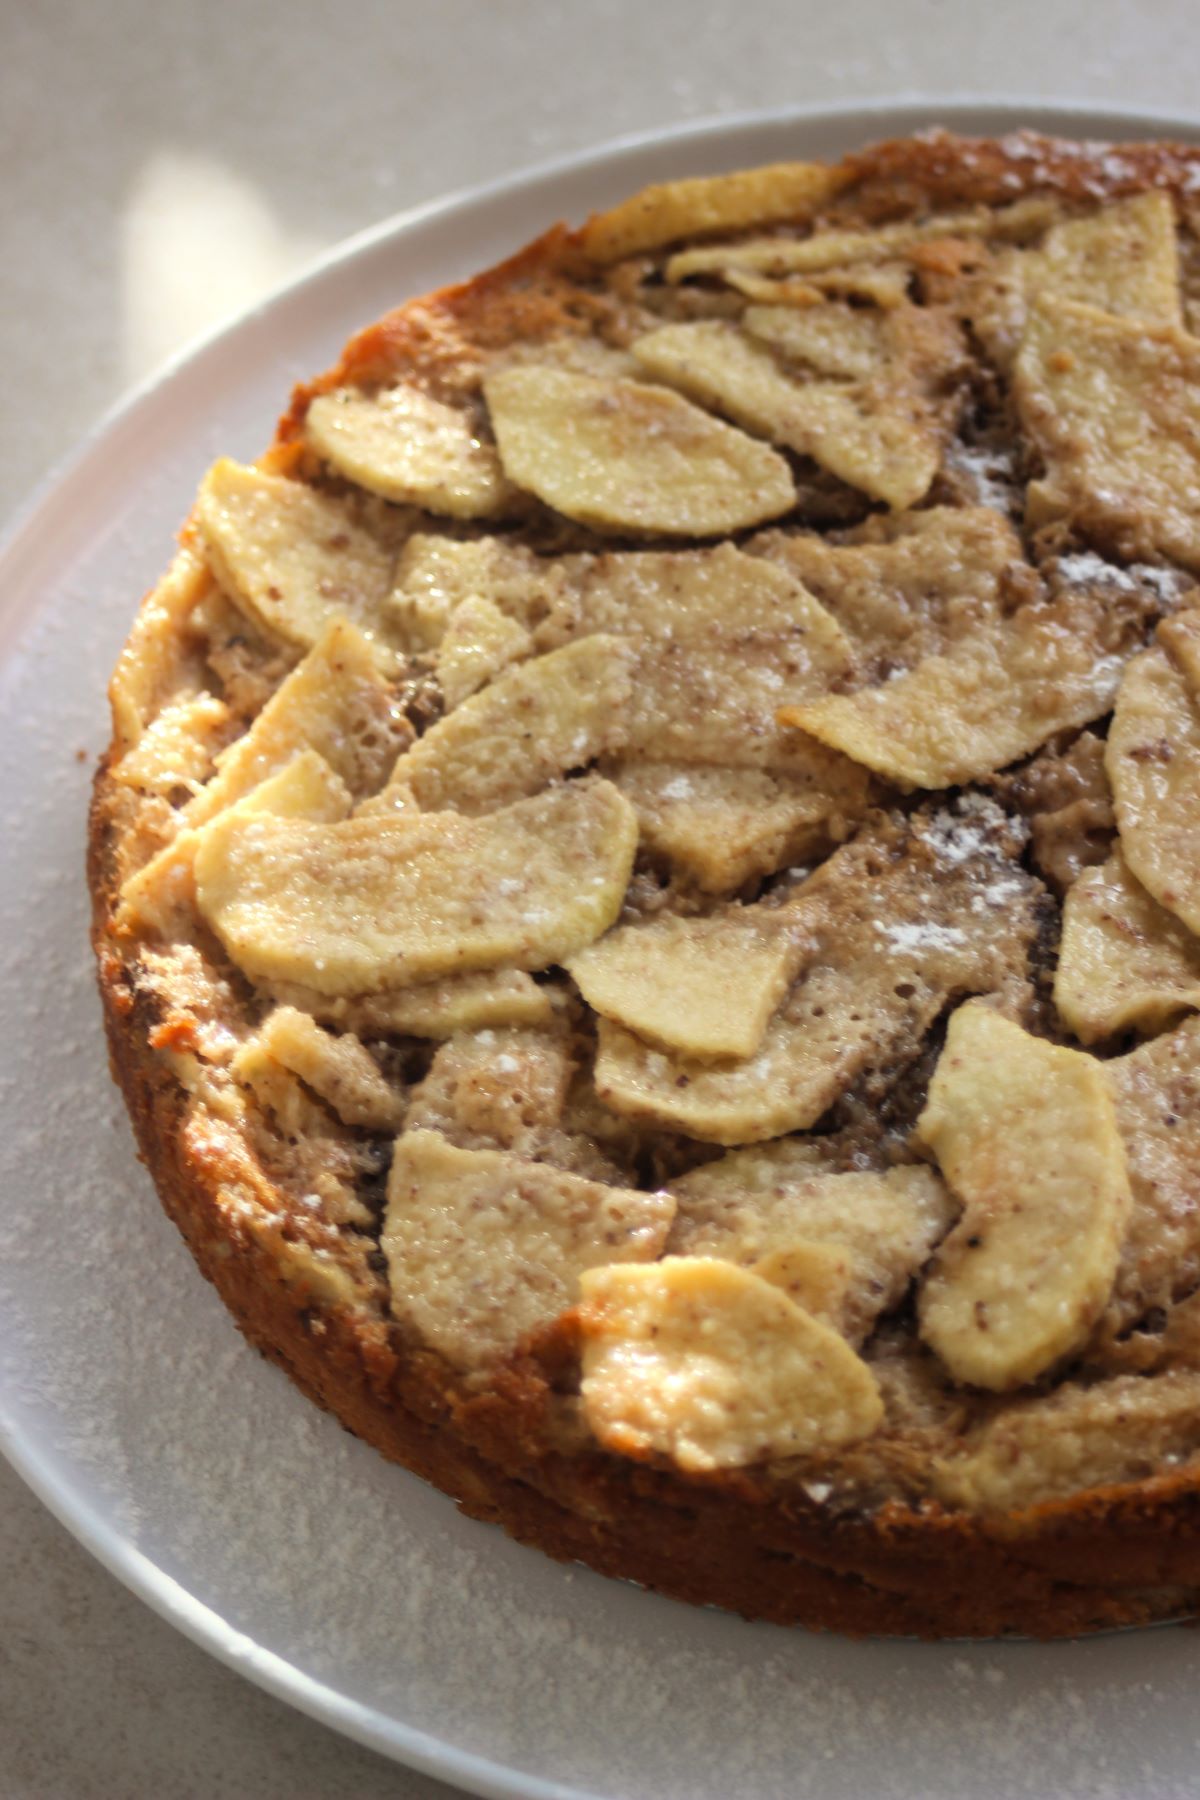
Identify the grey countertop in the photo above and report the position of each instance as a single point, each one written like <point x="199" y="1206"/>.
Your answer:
<point x="166" y="165"/>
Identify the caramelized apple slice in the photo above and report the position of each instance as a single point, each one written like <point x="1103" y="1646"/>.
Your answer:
<point x="293" y="558"/>
<point x="1025" y="1133"/>
<point x="674" y="209"/>
<point x="408" y="448"/>
<point x="714" y="1367"/>
<point x="1153" y="764"/>
<point x="384" y="901"/>
<point x="626" y="457"/>
<point x="537" y="722"/>
<point x="705" y="987"/>
<point x="483" y="1247"/>
<point x="1124" y="962"/>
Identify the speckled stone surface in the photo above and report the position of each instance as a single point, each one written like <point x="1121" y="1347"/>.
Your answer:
<point x="165" y="166"/>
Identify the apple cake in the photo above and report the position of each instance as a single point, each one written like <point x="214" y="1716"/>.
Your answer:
<point x="647" y="888"/>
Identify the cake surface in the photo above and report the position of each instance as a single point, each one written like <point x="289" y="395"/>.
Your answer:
<point x="647" y="884"/>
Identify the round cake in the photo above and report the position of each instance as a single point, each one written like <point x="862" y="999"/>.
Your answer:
<point x="647" y="889"/>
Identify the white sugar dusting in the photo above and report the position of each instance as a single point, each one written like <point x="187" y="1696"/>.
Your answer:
<point x="1085" y="568"/>
<point x="1168" y="585"/>
<point x="904" y="939"/>
<point x="969" y="830"/>
<point x="1000" y="892"/>
<point x="989" y="474"/>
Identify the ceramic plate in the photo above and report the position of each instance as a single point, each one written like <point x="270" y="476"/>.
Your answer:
<point x="196" y="1472"/>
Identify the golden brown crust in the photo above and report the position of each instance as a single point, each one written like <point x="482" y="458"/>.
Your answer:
<point x="1122" y="1555"/>
<point x="941" y="169"/>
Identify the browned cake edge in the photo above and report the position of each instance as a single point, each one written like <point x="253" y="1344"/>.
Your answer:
<point x="1120" y="1555"/>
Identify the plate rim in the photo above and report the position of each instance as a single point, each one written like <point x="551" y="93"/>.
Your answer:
<point x="21" y="539"/>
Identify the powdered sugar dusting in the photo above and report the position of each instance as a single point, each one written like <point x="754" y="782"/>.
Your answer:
<point x="974" y="827"/>
<point x="1172" y="586"/>
<point x="1083" y="568"/>
<point x="987" y="472"/>
<point x="907" y="938"/>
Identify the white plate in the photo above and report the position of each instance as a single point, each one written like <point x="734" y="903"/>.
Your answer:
<point x="199" y="1475"/>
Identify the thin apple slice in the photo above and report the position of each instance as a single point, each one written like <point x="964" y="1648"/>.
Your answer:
<point x="906" y="586"/>
<point x="480" y="642"/>
<point x="1122" y="259"/>
<point x="483" y="1247"/>
<point x="1112" y="405"/>
<point x="1073" y="1440"/>
<point x="162" y="894"/>
<point x="550" y="715"/>
<point x="997" y="694"/>
<point x="827" y="249"/>
<point x="710" y="1365"/>
<point x="874" y="442"/>
<point x="409" y="448"/>
<point x="844" y="1243"/>
<point x="383" y="901"/>
<point x="337" y="1067"/>
<point x="1153" y="764"/>
<point x="1156" y="1091"/>
<point x="1124" y="962"/>
<point x="674" y="209"/>
<point x="1179" y="635"/>
<point x="436" y="575"/>
<point x="336" y="703"/>
<point x="431" y="1009"/>
<point x="177" y="748"/>
<point x="721" y="639"/>
<point x="722" y="827"/>
<point x="880" y="284"/>
<point x="622" y="456"/>
<point x="705" y="987"/>
<point x="292" y="557"/>
<point x="905" y="916"/>
<point x="1025" y="1133"/>
<point x="843" y="342"/>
